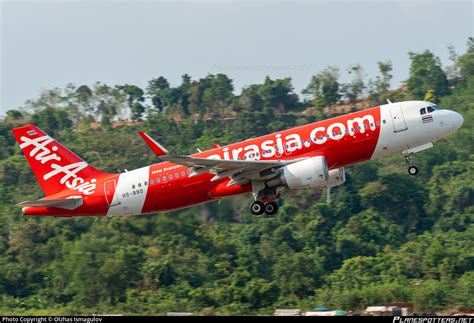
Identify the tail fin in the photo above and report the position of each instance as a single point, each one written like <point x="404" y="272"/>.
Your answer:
<point x="56" y="168"/>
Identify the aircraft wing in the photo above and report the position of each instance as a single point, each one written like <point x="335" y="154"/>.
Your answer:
<point x="240" y="171"/>
<point x="69" y="203"/>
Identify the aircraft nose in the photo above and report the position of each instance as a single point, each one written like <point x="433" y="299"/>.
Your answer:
<point x="456" y="120"/>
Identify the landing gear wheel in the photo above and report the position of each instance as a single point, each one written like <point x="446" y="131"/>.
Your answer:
<point x="413" y="170"/>
<point x="271" y="208"/>
<point x="257" y="208"/>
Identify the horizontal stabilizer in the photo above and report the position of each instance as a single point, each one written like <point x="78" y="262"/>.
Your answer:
<point x="69" y="203"/>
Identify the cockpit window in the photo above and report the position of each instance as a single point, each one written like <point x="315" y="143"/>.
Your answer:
<point x="431" y="109"/>
<point x="423" y="111"/>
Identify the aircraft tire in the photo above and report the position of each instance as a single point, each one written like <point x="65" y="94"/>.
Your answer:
<point x="271" y="208"/>
<point x="412" y="170"/>
<point x="257" y="208"/>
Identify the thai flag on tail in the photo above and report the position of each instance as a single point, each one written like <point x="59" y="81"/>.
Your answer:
<point x="427" y="118"/>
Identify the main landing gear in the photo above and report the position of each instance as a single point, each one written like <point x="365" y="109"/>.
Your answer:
<point x="265" y="202"/>
<point x="258" y="208"/>
<point x="412" y="169"/>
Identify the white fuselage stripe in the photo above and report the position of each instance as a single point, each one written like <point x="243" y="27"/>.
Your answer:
<point x="130" y="193"/>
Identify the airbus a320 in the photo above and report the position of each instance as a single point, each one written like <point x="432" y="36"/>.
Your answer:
<point x="311" y="156"/>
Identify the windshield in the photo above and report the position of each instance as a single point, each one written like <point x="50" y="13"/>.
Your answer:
<point x="432" y="108"/>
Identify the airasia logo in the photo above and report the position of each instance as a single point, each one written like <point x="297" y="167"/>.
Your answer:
<point x="291" y="142"/>
<point x="43" y="154"/>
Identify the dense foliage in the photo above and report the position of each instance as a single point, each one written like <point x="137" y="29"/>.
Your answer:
<point x="384" y="236"/>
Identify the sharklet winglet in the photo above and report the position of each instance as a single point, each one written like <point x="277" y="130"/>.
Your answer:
<point x="158" y="149"/>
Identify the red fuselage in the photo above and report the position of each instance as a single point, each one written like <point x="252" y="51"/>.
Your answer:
<point x="343" y="140"/>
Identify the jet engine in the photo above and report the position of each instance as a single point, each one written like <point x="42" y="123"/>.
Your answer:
<point x="310" y="172"/>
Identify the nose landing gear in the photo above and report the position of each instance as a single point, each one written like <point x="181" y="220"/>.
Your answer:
<point x="412" y="169"/>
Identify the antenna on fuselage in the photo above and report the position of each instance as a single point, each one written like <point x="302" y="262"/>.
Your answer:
<point x="199" y="150"/>
<point x="389" y="102"/>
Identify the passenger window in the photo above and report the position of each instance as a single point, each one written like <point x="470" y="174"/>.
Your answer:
<point x="152" y="182"/>
<point x="423" y="111"/>
<point x="157" y="180"/>
<point x="133" y="187"/>
<point x="176" y="175"/>
<point x="139" y="184"/>
<point x="146" y="183"/>
<point x="164" y="178"/>
<point x="182" y="173"/>
<point x="170" y="177"/>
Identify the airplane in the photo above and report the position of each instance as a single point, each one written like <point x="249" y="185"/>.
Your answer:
<point x="311" y="156"/>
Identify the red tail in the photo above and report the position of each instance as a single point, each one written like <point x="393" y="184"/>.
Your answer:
<point x="56" y="168"/>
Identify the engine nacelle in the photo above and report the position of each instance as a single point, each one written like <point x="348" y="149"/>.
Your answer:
<point x="336" y="177"/>
<point x="310" y="172"/>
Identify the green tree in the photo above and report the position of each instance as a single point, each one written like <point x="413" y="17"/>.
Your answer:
<point x="135" y="96"/>
<point x="278" y="94"/>
<point x="324" y="87"/>
<point x="85" y="96"/>
<point x="380" y="87"/>
<point x="155" y="91"/>
<point x="466" y="64"/>
<point x="354" y="90"/>
<point x="426" y="74"/>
